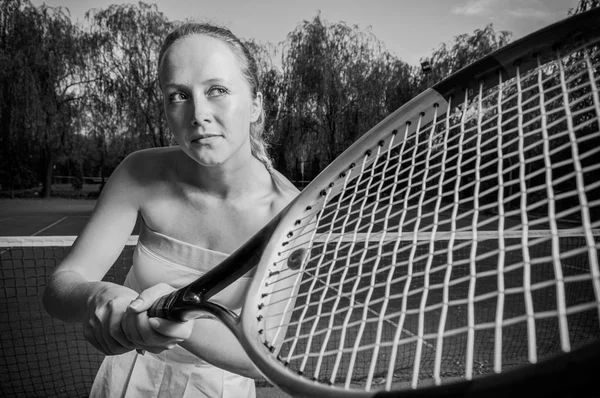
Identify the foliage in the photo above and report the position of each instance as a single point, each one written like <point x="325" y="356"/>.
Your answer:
<point x="584" y="5"/>
<point x="465" y="49"/>
<point x="76" y="99"/>
<point x="125" y="68"/>
<point x="124" y="109"/>
<point x="338" y="82"/>
<point x="42" y="61"/>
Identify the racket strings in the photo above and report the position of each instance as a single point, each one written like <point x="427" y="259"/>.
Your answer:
<point x="466" y="248"/>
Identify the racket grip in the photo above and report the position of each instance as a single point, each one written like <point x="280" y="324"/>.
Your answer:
<point x="160" y="308"/>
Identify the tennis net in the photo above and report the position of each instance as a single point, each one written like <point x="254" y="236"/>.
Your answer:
<point x="42" y="356"/>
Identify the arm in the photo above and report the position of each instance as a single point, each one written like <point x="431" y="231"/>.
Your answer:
<point x="75" y="291"/>
<point x="224" y="352"/>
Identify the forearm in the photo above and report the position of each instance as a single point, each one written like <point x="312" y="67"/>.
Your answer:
<point x="214" y="343"/>
<point x="67" y="295"/>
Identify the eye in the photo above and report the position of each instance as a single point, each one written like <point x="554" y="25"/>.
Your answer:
<point x="217" y="91"/>
<point x="177" y="97"/>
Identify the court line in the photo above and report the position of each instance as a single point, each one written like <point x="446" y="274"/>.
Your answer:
<point x="38" y="232"/>
<point x="5" y="218"/>
<point x="49" y="226"/>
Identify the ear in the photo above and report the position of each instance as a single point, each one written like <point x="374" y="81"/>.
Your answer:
<point x="257" y="103"/>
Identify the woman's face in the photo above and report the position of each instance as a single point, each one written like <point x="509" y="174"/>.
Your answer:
<point x="207" y="100"/>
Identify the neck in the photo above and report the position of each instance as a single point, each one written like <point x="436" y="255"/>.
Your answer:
<point x="230" y="180"/>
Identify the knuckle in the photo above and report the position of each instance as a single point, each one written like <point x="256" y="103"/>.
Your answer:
<point x="97" y="315"/>
<point x="114" y="304"/>
<point x="90" y="325"/>
<point x="146" y="337"/>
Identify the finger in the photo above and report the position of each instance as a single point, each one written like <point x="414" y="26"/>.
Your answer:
<point x="176" y="330"/>
<point x="145" y="300"/>
<point x="112" y="346"/>
<point x="152" y="340"/>
<point x="117" y="332"/>
<point x="142" y="335"/>
<point x="107" y="325"/>
<point x="115" y="327"/>
<point x="138" y="330"/>
<point x="96" y="339"/>
<point x="151" y="337"/>
<point x="89" y="335"/>
<point x="129" y="327"/>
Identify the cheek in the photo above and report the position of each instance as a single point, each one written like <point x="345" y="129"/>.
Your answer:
<point x="242" y="115"/>
<point x="231" y="118"/>
<point x="175" y="117"/>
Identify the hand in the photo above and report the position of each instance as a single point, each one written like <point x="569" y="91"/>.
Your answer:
<point x="153" y="334"/>
<point x="102" y="326"/>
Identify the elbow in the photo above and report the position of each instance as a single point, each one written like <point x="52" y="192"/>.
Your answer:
<point x="49" y="297"/>
<point x="55" y="298"/>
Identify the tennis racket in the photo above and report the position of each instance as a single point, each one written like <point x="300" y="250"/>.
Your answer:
<point x="452" y="250"/>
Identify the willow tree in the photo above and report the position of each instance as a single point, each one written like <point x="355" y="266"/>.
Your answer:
<point x="337" y="85"/>
<point x="465" y="49"/>
<point x="125" y="100"/>
<point x="42" y="60"/>
<point x="584" y="5"/>
<point x="271" y="87"/>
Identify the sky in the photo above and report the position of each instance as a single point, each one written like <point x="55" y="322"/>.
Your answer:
<point x="410" y="29"/>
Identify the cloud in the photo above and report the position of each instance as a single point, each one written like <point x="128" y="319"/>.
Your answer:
<point x="475" y="7"/>
<point x="522" y="9"/>
<point x="530" y="13"/>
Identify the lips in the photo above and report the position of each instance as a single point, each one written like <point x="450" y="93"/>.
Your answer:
<point x="204" y="138"/>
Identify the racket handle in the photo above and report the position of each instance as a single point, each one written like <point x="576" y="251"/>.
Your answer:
<point x="160" y="308"/>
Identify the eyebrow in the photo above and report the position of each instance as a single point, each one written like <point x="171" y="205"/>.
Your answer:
<point x="179" y="86"/>
<point x="173" y="86"/>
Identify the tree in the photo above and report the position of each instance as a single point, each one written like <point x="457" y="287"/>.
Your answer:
<point x="125" y="98"/>
<point x="465" y="49"/>
<point x="271" y="87"/>
<point x="584" y="5"/>
<point x="337" y="86"/>
<point x="42" y="61"/>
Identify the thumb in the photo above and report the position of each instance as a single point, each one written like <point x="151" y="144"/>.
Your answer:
<point x="146" y="298"/>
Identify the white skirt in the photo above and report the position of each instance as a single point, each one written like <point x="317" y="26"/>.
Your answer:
<point x="164" y="375"/>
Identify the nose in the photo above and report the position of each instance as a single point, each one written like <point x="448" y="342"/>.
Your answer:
<point x="201" y="110"/>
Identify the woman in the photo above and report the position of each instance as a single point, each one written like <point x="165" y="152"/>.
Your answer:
<point x="198" y="201"/>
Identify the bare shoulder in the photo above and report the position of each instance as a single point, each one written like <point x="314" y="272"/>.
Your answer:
<point x="286" y="191"/>
<point x="127" y="191"/>
<point x="146" y="163"/>
<point x="138" y="174"/>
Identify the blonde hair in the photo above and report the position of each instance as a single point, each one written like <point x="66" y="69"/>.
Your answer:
<point x="258" y="140"/>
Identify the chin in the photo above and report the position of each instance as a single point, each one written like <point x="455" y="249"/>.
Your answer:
<point x="213" y="156"/>
<point x="209" y="161"/>
<point x="205" y="157"/>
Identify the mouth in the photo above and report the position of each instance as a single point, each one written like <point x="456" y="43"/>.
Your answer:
<point x="204" y="139"/>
